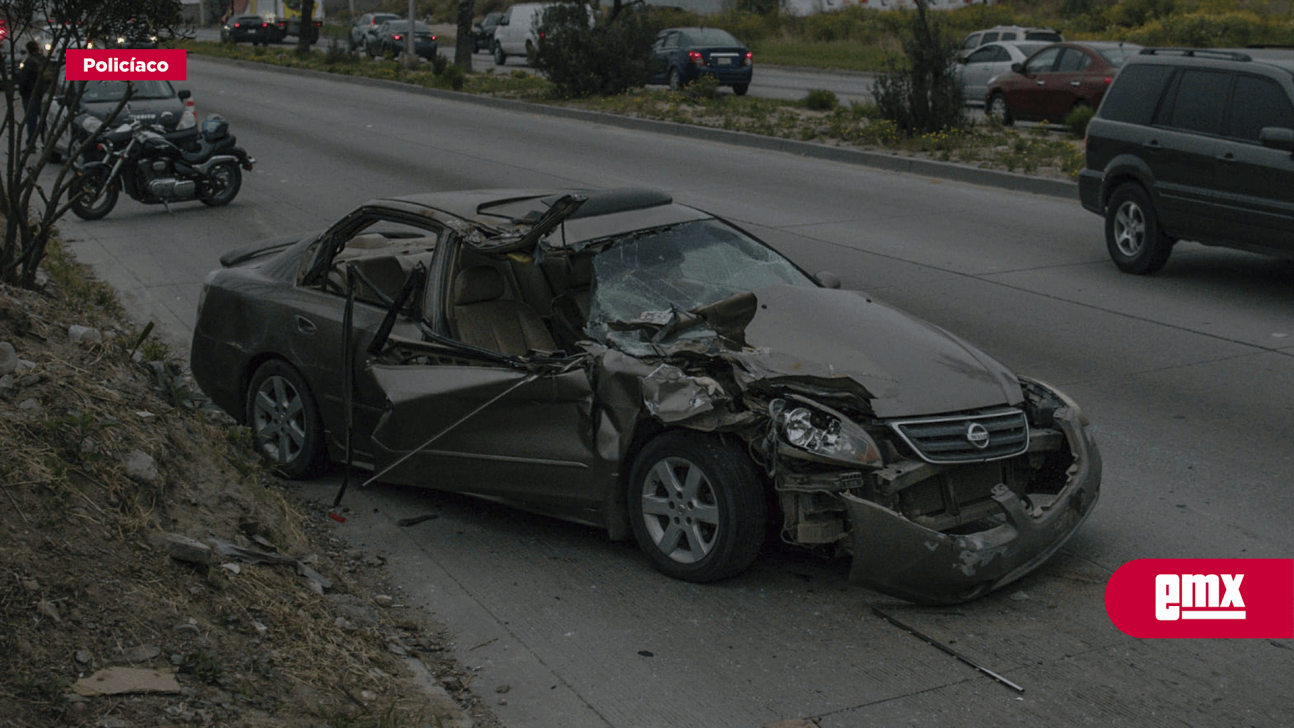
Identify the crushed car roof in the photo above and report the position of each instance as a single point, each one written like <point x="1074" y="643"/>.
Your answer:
<point x="603" y="213"/>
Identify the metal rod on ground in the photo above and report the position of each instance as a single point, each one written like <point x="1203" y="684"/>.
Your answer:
<point x="944" y="648"/>
<point x="524" y="381"/>
<point x="348" y="375"/>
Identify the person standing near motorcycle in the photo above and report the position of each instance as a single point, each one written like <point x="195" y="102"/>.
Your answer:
<point x="33" y="82"/>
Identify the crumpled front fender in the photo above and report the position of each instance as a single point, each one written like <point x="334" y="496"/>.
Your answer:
<point x="898" y="557"/>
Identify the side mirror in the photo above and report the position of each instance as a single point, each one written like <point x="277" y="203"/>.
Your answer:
<point x="1277" y="137"/>
<point x="503" y="20"/>
<point x="1017" y="67"/>
<point x="827" y="279"/>
<point x="184" y="94"/>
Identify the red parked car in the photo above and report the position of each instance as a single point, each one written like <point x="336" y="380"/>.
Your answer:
<point x="1055" y="80"/>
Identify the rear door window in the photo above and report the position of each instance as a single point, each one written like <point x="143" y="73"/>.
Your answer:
<point x="1136" y="93"/>
<point x="1072" y="60"/>
<point x="1199" y="102"/>
<point x="1257" y="102"/>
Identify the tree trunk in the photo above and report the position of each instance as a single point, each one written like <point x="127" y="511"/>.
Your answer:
<point x="465" y="45"/>
<point x="306" y="28"/>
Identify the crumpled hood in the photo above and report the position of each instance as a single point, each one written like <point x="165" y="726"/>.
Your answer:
<point x="910" y="367"/>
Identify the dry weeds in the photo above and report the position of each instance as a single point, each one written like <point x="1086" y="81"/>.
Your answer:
<point x="87" y="581"/>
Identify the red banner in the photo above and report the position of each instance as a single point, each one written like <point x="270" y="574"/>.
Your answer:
<point x="1188" y="598"/>
<point x="161" y="64"/>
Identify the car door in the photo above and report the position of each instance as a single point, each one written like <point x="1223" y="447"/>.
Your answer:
<point x="1071" y="81"/>
<point x="1255" y="183"/>
<point x="522" y="427"/>
<point x="372" y="242"/>
<point x="1181" y="154"/>
<point x="981" y="65"/>
<point x="660" y="58"/>
<point x="1026" y="93"/>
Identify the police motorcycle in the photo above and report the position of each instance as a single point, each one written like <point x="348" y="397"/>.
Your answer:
<point x="154" y="167"/>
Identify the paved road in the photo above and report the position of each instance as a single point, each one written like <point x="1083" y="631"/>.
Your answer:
<point x="1188" y="377"/>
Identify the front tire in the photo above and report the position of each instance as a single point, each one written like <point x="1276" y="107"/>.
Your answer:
<point x="222" y="185"/>
<point x="697" y="507"/>
<point x="500" y="57"/>
<point x="998" y="109"/>
<point x="1132" y="234"/>
<point x="95" y="196"/>
<point x="284" y="419"/>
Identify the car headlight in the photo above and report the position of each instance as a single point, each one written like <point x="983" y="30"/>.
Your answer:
<point x="817" y="433"/>
<point x="1042" y="399"/>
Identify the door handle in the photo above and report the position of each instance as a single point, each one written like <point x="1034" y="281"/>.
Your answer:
<point x="1075" y="84"/>
<point x="1041" y="83"/>
<point x="305" y="325"/>
<point x="1152" y="145"/>
<point x="1228" y="158"/>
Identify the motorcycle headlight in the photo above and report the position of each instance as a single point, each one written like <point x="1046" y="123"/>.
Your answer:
<point x="90" y="124"/>
<point x="818" y="434"/>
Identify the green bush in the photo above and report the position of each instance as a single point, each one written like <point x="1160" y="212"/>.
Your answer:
<point x="584" y="61"/>
<point x="819" y="99"/>
<point x="704" y="88"/>
<point x="453" y="76"/>
<point x="1077" y="120"/>
<point x="921" y="95"/>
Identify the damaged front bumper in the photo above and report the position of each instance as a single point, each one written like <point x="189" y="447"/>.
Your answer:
<point x="896" y="556"/>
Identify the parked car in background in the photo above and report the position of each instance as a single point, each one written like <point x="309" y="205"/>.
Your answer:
<point x="1008" y="33"/>
<point x="483" y="32"/>
<point x="617" y="359"/>
<point x="248" y="29"/>
<point x="1056" y="80"/>
<point x="363" y="32"/>
<point x="1194" y="144"/>
<point x="974" y="71"/>
<point x="391" y="39"/>
<point x="682" y="55"/>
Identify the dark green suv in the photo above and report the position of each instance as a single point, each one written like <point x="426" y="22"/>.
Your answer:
<point x="1194" y="144"/>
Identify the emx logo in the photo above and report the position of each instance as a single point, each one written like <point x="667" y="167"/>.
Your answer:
<point x="1203" y="598"/>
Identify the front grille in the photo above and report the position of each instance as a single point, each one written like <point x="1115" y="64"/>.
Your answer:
<point x="949" y="439"/>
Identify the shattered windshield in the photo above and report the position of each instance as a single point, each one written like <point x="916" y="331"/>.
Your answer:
<point x="648" y="275"/>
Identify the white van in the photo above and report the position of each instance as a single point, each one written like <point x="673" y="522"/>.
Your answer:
<point x="518" y="31"/>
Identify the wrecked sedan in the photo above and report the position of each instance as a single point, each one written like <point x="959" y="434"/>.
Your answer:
<point x="617" y="359"/>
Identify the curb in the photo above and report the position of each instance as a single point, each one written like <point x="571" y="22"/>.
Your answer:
<point x="879" y="160"/>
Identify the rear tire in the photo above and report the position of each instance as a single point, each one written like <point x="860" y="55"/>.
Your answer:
<point x="500" y="57"/>
<point x="222" y="185"/>
<point x="998" y="109"/>
<point x="96" y="197"/>
<point x="740" y="88"/>
<point x="284" y="419"/>
<point x="1132" y="234"/>
<point x="697" y="507"/>
<point x="675" y="80"/>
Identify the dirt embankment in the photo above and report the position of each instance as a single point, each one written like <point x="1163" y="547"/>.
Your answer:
<point x="152" y="573"/>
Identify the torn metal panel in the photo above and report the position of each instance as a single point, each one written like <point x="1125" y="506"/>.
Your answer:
<point x="899" y="557"/>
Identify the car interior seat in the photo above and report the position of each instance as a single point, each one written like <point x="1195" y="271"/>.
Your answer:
<point x="483" y="318"/>
<point x="571" y="306"/>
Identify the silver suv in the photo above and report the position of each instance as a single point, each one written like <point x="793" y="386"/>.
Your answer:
<point x="1008" y="33"/>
